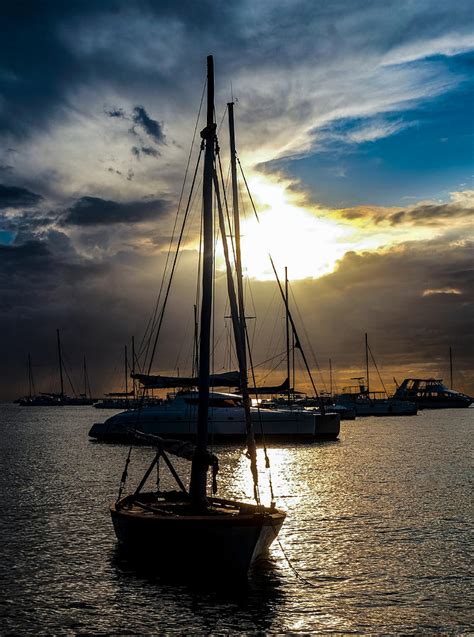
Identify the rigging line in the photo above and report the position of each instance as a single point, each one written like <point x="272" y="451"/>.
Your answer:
<point x="222" y="120"/>
<point x="285" y="302"/>
<point x="248" y="286"/>
<point x="270" y="371"/>
<point x="291" y="565"/>
<point x="375" y="364"/>
<point x="176" y="220"/>
<point x="232" y="242"/>
<point x="65" y="366"/>
<point x="313" y="354"/>
<point x="165" y="300"/>
<point x="262" y="432"/>
<point x="267" y="360"/>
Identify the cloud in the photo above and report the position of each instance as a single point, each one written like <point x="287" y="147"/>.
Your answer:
<point x="428" y="214"/>
<point x="441" y="291"/>
<point x="115" y="112"/>
<point x="459" y="209"/>
<point x="448" y="44"/>
<point x="150" y="126"/>
<point x="17" y="197"/>
<point x="93" y="211"/>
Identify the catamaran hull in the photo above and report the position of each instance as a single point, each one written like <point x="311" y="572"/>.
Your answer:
<point x="226" y="426"/>
<point x="208" y="545"/>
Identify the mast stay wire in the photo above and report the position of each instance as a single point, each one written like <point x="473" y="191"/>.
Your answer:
<point x="152" y="321"/>
<point x="313" y="354"/>
<point x="173" y="267"/>
<point x="375" y="364"/>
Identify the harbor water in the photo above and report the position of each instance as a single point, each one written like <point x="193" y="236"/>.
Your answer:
<point x="378" y="537"/>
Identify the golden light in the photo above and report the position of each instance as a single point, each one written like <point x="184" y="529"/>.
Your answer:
<point x="309" y="241"/>
<point x="306" y="244"/>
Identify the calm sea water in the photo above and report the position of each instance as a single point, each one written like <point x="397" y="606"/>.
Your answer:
<point x="378" y="525"/>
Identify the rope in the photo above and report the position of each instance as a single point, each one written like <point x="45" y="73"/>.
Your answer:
<point x="380" y="377"/>
<point x="292" y="567"/>
<point x="152" y="321"/>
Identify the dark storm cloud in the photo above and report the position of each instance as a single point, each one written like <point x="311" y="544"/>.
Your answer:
<point x="150" y="126"/>
<point x="93" y="211"/>
<point x="17" y="197"/>
<point x="414" y="301"/>
<point x="32" y="255"/>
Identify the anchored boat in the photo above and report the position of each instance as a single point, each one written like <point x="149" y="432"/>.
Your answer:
<point x="182" y="529"/>
<point x="431" y="393"/>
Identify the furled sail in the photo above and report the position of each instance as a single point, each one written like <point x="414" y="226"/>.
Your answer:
<point x="276" y="389"/>
<point x="149" y="381"/>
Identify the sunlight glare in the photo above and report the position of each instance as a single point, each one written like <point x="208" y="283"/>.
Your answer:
<point x="295" y="237"/>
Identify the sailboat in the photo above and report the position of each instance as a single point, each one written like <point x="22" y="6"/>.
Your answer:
<point x="189" y="530"/>
<point x="369" y="403"/>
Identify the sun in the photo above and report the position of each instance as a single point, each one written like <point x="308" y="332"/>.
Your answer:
<point x="307" y="244"/>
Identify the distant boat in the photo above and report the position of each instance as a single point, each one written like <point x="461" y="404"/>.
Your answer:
<point x="431" y="393"/>
<point x="127" y="399"/>
<point x="52" y="399"/>
<point x="370" y="403"/>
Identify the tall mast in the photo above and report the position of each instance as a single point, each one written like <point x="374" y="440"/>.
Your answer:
<point x="236" y="216"/>
<point x="330" y="377"/>
<point x="367" y="362"/>
<point x="30" y="378"/>
<point x="451" y="366"/>
<point x="85" y="378"/>
<point x="196" y="344"/>
<point x="126" y="371"/>
<point x="199" y="467"/>
<point x="60" y="358"/>
<point x="133" y="366"/>
<point x="237" y="305"/>
<point x="287" y="334"/>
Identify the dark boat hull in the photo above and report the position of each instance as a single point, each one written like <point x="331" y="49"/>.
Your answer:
<point x="212" y="544"/>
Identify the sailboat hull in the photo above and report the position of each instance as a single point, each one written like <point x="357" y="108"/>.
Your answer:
<point x="224" y="540"/>
<point x="224" y="425"/>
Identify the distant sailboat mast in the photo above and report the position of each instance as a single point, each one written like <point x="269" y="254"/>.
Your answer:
<point x="60" y="365"/>
<point x="451" y="367"/>
<point x="287" y="321"/>
<point x="330" y="377"/>
<point x="367" y="362"/>
<point x="31" y="383"/>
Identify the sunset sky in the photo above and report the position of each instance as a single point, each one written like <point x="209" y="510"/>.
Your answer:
<point x="355" y="130"/>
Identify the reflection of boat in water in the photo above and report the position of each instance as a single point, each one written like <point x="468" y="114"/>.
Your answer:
<point x="431" y="393"/>
<point x="189" y="531"/>
<point x="176" y="417"/>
